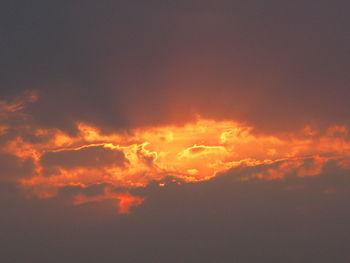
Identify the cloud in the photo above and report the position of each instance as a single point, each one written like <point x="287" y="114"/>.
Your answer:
<point x="191" y="152"/>
<point x="218" y="130"/>
<point x="125" y="200"/>
<point x="90" y="157"/>
<point x="219" y="219"/>
<point x="13" y="168"/>
<point x="163" y="65"/>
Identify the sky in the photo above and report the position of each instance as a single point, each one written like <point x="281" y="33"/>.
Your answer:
<point x="174" y="131"/>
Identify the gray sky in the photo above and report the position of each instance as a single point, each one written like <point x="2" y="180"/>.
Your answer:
<point x="122" y="66"/>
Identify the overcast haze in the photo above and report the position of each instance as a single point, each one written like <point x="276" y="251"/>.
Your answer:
<point x="174" y="131"/>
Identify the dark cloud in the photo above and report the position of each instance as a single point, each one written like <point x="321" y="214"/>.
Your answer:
<point x="12" y="168"/>
<point x="221" y="220"/>
<point x="87" y="157"/>
<point x="277" y="65"/>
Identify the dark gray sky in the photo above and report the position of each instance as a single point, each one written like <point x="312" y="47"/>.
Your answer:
<point x="122" y="65"/>
<point x="275" y="64"/>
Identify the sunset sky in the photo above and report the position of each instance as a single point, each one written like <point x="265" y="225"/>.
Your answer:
<point x="175" y="131"/>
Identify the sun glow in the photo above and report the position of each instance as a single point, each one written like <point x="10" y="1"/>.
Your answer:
<point x="194" y="152"/>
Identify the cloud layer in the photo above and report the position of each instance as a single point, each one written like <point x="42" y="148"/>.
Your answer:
<point x="174" y="131"/>
<point x="46" y="160"/>
<point x="275" y="66"/>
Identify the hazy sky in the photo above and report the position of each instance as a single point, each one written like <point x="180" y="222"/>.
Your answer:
<point x="174" y="131"/>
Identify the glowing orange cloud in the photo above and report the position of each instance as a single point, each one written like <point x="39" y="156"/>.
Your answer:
<point x="125" y="200"/>
<point x="193" y="152"/>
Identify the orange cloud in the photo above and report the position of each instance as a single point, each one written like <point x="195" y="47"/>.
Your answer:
<point x="125" y="200"/>
<point x="193" y="152"/>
